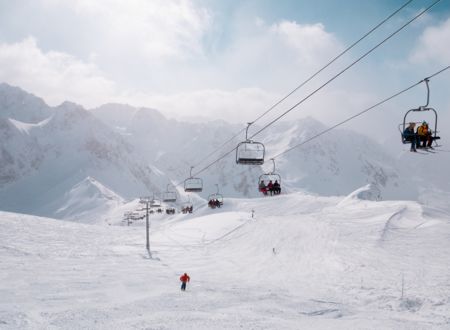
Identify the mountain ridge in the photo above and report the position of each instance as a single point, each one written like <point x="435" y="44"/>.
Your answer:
<point x="138" y="151"/>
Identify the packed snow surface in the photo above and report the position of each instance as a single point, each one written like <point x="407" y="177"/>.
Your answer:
<point x="302" y="262"/>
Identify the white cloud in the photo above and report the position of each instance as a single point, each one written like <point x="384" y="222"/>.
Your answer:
<point x="251" y="75"/>
<point x="433" y="45"/>
<point x="277" y="56"/>
<point x="312" y="43"/>
<point x="238" y="105"/>
<point x="288" y="47"/>
<point x="55" y="76"/>
<point x="158" y="29"/>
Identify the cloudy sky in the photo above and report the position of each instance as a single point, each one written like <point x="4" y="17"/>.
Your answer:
<point x="229" y="59"/>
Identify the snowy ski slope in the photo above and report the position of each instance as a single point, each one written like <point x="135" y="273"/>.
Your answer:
<point x="303" y="262"/>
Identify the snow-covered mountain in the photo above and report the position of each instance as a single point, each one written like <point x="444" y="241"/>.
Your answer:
<point x="46" y="153"/>
<point x="43" y="163"/>
<point x="335" y="164"/>
<point x="17" y="104"/>
<point x="295" y="260"/>
<point x="87" y="201"/>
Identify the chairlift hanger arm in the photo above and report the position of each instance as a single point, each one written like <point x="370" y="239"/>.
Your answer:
<point x="246" y="131"/>
<point x="427" y="80"/>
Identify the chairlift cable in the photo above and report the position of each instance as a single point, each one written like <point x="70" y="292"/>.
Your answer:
<point x="337" y="125"/>
<point x="437" y="73"/>
<point x="307" y="80"/>
<point x="328" y="82"/>
<point x="325" y="84"/>
<point x="220" y="147"/>
<point x="346" y="68"/>
<point x="360" y="113"/>
<point x="333" y="60"/>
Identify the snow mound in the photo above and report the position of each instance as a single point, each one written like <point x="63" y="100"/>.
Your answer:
<point x="87" y="201"/>
<point x="370" y="192"/>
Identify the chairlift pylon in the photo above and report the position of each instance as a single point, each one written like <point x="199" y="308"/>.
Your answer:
<point x="250" y="152"/>
<point x="192" y="184"/>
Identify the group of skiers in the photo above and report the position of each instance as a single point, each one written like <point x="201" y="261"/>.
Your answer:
<point x="170" y="210"/>
<point x="423" y="134"/>
<point x="273" y="188"/>
<point x="187" y="209"/>
<point x="213" y="203"/>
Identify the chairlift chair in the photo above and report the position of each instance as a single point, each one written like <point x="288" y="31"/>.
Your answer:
<point x="270" y="176"/>
<point x="169" y="196"/>
<point x="155" y="202"/>
<point x="422" y="108"/>
<point x="187" y="206"/>
<point x="216" y="196"/>
<point x="192" y="184"/>
<point x="250" y="152"/>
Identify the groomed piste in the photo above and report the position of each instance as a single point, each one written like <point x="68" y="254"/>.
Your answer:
<point x="301" y="261"/>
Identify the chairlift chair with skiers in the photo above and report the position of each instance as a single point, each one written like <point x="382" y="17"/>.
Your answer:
<point x="267" y="178"/>
<point x="402" y="127"/>
<point x="216" y="199"/>
<point x="250" y="152"/>
<point x="192" y="184"/>
<point x="187" y="206"/>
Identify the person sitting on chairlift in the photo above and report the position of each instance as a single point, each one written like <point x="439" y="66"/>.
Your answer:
<point x="424" y="136"/>
<point x="411" y="136"/>
<point x="270" y="187"/>
<point x="276" y="188"/>
<point x="262" y="187"/>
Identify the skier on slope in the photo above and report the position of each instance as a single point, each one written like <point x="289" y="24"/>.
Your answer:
<point x="184" y="279"/>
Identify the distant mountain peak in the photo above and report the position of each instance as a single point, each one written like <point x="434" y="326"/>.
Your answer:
<point x="22" y="106"/>
<point x="68" y="105"/>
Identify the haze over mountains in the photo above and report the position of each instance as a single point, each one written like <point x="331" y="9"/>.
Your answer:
<point x="66" y="161"/>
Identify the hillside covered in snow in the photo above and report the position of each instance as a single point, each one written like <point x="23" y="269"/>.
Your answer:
<point x="302" y="262"/>
<point x="67" y="164"/>
<point x="71" y="163"/>
<point x="358" y="238"/>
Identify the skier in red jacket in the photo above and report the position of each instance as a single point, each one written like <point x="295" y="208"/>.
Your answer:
<point x="184" y="279"/>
